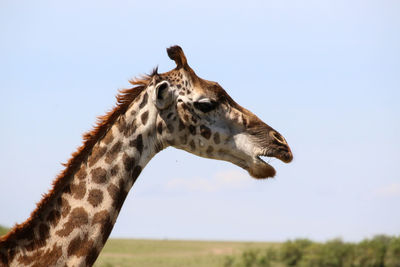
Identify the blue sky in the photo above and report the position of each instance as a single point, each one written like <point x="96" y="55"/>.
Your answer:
<point x="326" y="74"/>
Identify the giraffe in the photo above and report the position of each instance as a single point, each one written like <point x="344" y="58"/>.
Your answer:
<point x="72" y="222"/>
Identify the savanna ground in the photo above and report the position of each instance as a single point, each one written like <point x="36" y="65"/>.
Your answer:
<point x="168" y="253"/>
<point x="378" y="251"/>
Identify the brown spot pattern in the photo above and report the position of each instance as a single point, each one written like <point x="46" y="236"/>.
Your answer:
<point x="138" y="143"/>
<point x="114" y="170"/>
<point x="205" y="132"/>
<point x="99" y="175"/>
<point x="79" y="246"/>
<point x="78" y="191"/>
<point x="144" y="100"/>
<point x="42" y="257"/>
<point x="104" y="220"/>
<point x="117" y="194"/>
<point x="144" y="117"/>
<point x="95" y="197"/>
<point x="81" y="174"/>
<point x="113" y="152"/>
<point x="77" y="218"/>
<point x="97" y="153"/>
<point x="108" y="138"/>
<point x="136" y="172"/>
<point x="65" y="207"/>
<point x="43" y="234"/>
<point x="128" y="161"/>
<point x="121" y="124"/>
<point x="53" y="217"/>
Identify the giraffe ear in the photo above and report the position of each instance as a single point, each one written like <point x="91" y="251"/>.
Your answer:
<point x="162" y="95"/>
<point x="176" y="53"/>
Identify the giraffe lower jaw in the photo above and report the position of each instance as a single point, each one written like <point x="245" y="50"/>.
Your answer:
<point x="259" y="169"/>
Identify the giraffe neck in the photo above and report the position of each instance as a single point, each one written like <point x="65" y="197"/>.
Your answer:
<point x="73" y="227"/>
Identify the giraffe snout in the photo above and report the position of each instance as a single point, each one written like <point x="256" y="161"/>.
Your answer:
<point x="281" y="147"/>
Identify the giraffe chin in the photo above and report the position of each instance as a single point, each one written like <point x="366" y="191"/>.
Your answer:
<point x="259" y="169"/>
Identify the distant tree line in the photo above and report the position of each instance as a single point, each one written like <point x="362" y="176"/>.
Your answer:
<point x="380" y="251"/>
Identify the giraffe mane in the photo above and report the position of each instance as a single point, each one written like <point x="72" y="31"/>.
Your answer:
<point x="103" y="124"/>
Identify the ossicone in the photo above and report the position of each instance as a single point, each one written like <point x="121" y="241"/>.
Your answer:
<point x="176" y="53"/>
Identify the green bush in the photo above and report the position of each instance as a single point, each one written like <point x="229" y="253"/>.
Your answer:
<point x="380" y="251"/>
<point x="293" y="251"/>
<point x="392" y="256"/>
<point x="371" y="252"/>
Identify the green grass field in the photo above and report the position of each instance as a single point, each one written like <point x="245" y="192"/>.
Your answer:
<point x="168" y="253"/>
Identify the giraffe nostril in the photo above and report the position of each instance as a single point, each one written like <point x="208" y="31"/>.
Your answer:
<point x="277" y="137"/>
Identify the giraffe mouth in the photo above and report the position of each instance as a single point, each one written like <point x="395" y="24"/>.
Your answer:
<point x="260" y="167"/>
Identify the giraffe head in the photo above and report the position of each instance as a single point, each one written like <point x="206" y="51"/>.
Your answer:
<point x="198" y="116"/>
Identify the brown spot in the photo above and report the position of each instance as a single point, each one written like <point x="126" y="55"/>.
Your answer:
<point x="192" y="145"/>
<point x="77" y="218"/>
<point x="136" y="172"/>
<point x="78" y="191"/>
<point x="144" y="117"/>
<point x="170" y="115"/>
<point x="92" y="256"/>
<point x="144" y="100"/>
<point x="128" y="161"/>
<point x="53" y="217"/>
<point x="205" y="132"/>
<point x="43" y="234"/>
<point x="130" y="129"/>
<point x="159" y="127"/>
<point x="65" y="207"/>
<point x="95" y="197"/>
<point x="121" y="124"/>
<point x="99" y="175"/>
<point x="217" y="140"/>
<point x="67" y="189"/>
<point x="42" y="257"/>
<point x="81" y="174"/>
<point x="117" y="194"/>
<point x="79" y="246"/>
<point x="97" y="153"/>
<point x="114" y="170"/>
<point x="209" y="150"/>
<point x="138" y="143"/>
<point x="108" y="138"/>
<point x="113" y="152"/>
<point x="100" y="217"/>
<point x="192" y="129"/>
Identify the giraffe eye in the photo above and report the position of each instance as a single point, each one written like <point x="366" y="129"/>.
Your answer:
<point x="205" y="106"/>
